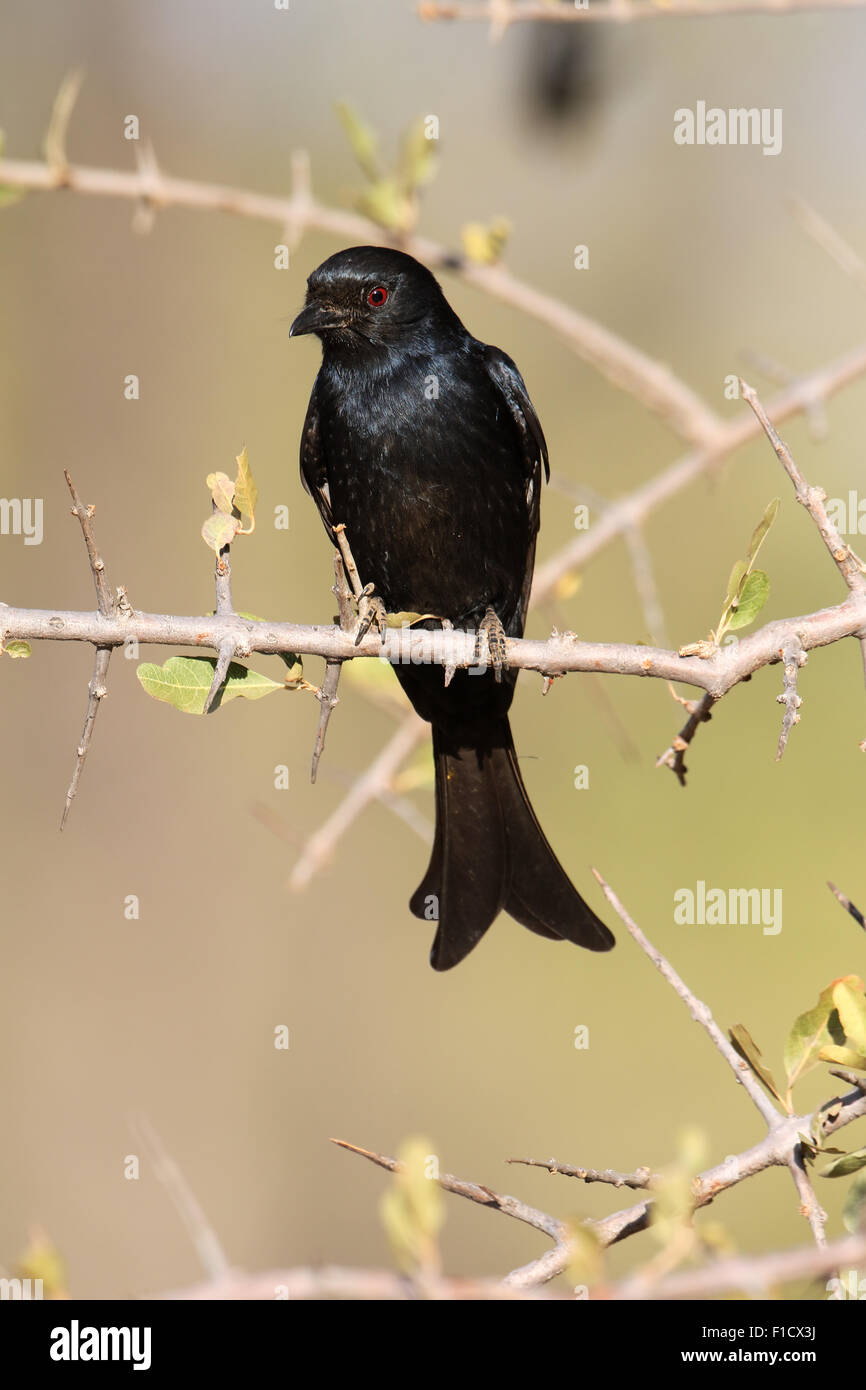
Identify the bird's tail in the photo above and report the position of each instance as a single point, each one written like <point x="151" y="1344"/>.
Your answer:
<point x="490" y="854"/>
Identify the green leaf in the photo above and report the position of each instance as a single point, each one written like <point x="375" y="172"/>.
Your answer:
<point x="855" y="1205"/>
<point x="363" y="140"/>
<point x="738" y="574"/>
<point x="851" y="1003"/>
<point x="752" y="597"/>
<point x="412" y="1210"/>
<point x="748" y="1049"/>
<point x="847" y="1164"/>
<point x="184" y="682"/>
<point x="811" y="1032"/>
<point x="17" y="650"/>
<point x="246" y="492"/>
<point x="219" y="530"/>
<point x="222" y="490"/>
<point x="760" y="531"/>
<point x="844" y="1057"/>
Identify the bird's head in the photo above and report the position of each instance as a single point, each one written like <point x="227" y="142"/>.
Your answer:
<point x="373" y="295"/>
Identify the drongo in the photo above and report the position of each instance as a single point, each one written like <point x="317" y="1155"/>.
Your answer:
<point x="424" y="444"/>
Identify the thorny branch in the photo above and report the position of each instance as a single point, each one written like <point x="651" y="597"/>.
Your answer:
<point x="501" y="14"/>
<point x="782" y="1147"/>
<point x="785" y="640"/>
<point x="751" y="1274"/>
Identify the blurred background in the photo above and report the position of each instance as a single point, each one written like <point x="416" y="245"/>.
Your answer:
<point x="696" y="259"/>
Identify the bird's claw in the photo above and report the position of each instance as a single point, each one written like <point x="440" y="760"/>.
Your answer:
<point x="494" y="632"/>
<point x="371" y="613"/>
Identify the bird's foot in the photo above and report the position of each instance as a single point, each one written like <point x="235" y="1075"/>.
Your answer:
<point x="371" y="613"/>
<point x="494" y="632"/>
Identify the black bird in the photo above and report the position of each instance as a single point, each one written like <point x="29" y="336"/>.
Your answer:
<point x="424" y="444"/>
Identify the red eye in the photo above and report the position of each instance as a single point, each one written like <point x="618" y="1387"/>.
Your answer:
<point x="377" y="296"/>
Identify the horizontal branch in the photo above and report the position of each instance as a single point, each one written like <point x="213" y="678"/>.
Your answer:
<point x="749" y="1273"/>
<point x="501" y="14"/>
<point x="361" y="1285"/>
<point x="555" y="656"/>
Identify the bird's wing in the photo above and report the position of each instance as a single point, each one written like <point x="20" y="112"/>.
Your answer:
<point x="313" y="475"/>
<point x="511" y="386"/>
<point x="512" y="390"/>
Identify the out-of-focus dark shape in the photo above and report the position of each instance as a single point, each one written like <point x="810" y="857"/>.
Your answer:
<point x="562" y="71"/>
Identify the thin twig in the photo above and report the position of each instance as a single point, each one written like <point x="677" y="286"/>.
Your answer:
<point x="815" y="413"/>
<point x="810" y="1207"/>
<point x="320" y="846"/>
<point x="826" y="236"/>
<point x="698" y="1010"/>
<point x="96" y="692"/>
<point x="223" y="580"/>
<point x="107" y="607"/>
<point x="54" y="144"/>
<point x="849" y="565"/>
<point x="639" y="1179"/>
<point x="328" y="700"/>
<point x="225" y="656"/>
<point x="213" y="1259"/>
<point x="474" y="1192"/>
<point x="853" y="1078"/>
<point x="847" y="904"/>
<point x="700" y="712"/>
<point x="793" y="657"/>
<point x="645" y="583"/>
<point x="85" y="515"/>
<point x="328" y="694"/>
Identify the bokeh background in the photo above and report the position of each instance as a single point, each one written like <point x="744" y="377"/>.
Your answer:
<point x="694" y="257"/>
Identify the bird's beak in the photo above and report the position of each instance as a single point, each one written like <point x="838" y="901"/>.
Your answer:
<point x="316" y="318"/>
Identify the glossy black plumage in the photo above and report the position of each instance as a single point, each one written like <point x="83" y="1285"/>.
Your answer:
<point x="423" y="442"/>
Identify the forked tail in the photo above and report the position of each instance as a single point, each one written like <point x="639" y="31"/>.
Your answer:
<point x="490" y="854"/>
